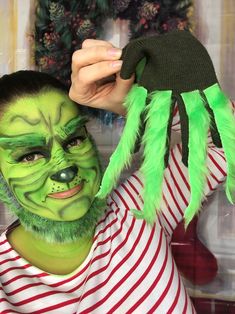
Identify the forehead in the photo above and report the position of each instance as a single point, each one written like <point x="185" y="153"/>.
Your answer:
<point x="46" y="110"/>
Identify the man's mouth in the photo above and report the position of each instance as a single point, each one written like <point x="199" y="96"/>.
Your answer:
<point x="68" y="193"/>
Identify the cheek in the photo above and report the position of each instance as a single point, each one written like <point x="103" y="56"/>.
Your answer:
<point x="25" y="178"/>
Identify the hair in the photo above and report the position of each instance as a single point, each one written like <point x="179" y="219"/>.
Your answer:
<point x="26" y="82"/>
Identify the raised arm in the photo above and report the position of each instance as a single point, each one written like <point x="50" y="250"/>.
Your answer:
<point x="95" y="77"/>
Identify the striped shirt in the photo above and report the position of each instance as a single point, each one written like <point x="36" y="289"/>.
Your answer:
<point x="129" y="269"/>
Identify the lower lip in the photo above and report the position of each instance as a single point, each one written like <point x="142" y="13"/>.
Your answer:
<point x="68" y="193"/>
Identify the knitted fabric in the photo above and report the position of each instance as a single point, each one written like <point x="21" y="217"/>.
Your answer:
<point x="175" y="68"/>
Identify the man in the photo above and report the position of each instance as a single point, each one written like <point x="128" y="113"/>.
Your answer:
<point x="69" y="252"/>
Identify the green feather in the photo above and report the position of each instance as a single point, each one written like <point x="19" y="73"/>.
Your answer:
<point x="225" y="121"/>
<point x="135" y="104"/>
<point x="199" y="121"/>
<point x="154" y="151"/>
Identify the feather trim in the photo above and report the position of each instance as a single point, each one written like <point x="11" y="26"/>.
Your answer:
<point x="135" y="104"/>
<point x="199" y="121"/>
<point x="154" y="151"/>
<point x="225" y="121"/>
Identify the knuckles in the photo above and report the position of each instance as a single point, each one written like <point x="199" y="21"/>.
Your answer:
<point x="87" y="42"/>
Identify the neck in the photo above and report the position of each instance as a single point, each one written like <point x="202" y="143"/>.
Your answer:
<point x="55" y="258"/>
<point x="63" y="231"/>
<point x="57" y="250"/>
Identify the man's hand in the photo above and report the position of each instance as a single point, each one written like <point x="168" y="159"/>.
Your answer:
<point x="95" y="77"/>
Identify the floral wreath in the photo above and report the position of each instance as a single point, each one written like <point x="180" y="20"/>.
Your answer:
<point x="61" y="27"/>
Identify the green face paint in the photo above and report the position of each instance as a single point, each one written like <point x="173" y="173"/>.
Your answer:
<point x="47" y="158"/>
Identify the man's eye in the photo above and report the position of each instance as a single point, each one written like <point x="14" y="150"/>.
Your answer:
<point x="31" y="157"/>
<point x="75" y="142"/>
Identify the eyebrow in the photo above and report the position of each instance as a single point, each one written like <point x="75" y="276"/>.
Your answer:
<point x="34" y="140"/>
<point x="74" y="124"/>
<point x="29" y="140"/>
<point x="25" y="119"/>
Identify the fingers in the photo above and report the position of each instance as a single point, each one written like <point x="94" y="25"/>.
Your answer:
<point x="95" y="79"/>
<point x="97" y="60"/>
<point x="117" y="96"/>
<point x="85" y="82"/>
<point x="98" y="71"/>
<point x="87" y="43"/>
<point x="87" y="56"/>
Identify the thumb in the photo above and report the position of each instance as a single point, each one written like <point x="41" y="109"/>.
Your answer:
<point x="119" y="92"/>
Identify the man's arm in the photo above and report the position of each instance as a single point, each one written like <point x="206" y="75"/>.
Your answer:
<point x="95" y="77"/>
<point x="91" y="65"/>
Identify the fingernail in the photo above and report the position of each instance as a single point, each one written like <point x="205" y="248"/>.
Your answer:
<point x="116" y="64"/>
<point x="114" y="52"/>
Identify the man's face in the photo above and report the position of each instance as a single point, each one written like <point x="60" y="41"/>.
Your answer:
<point x="46" y="157"/>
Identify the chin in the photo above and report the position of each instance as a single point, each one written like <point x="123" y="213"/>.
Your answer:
<point x="63" y="231"/>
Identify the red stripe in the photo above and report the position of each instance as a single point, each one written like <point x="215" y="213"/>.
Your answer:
<point x="186" y="302"/>
<point x="171" y="309"/>
<point x="131" y="196"/>
<point x="7" y="311"/>
<point x="23" y="276"/>
<point x="169" y="208"/>
<point x="3" y="242"/>
<point x="122" y="199"/>
<point x="173" y="197"/>
<point x="133" y="187"/>
<point x="175" y="111"/>
<point x="6" y="251"/>
<point x="178" y="167"/>
<point x="220" y="153"/>
<point x="34" y="298"/>
<point x="89" y="292"/>
<point x="136" y="191"/>
<point x="162" y="213"/>
<point x="209" y="185"/>
<point x="168" y="222"/>
<point x="105" y="217"/>
<point x="64" y="281"/>
<point x="216" y="164"/>
<point x="56" y="306"/>
<point x="98" y="257"/>
<point x="114" y="213"/>
<point x="177" y="186"/>
<point x="106" y="253"/>
<point x="137" y="179"/>
<point x="138" y="282"/>
<point x="105" y="229"/>
<point x="24" y="288"/>
<point x="163" y="295"/>
<point x="216" y="179"/>
<point x="151" y="288"/>
<point x="15" y="268"/>
<point x="118" y="266"/>
<point x="10" y="260"/>
<point x="118" y="231"/>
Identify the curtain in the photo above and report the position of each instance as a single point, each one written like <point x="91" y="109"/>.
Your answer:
<point x="16" y="33"/>
<point x="228" y="46"/>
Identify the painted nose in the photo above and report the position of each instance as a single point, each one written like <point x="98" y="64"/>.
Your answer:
<point x="65" y="175"/>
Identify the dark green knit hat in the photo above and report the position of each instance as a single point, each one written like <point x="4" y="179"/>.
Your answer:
<point x="172" y="68"/>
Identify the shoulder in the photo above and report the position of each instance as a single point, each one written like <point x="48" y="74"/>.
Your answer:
<point x="128" y="194"/>
<point x="123" y="198"/>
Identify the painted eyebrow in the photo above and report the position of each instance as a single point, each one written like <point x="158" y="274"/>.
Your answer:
<point x="74" y="124"/>
<point x="25" y="119"/>
<point x="29" y="140"/>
